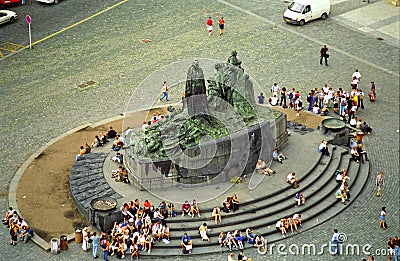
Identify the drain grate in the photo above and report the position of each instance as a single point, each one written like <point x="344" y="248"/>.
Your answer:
<point x="380" y="39"/>
<point x="86" y="84"/>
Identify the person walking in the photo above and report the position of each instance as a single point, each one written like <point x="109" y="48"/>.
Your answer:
<point x="164" y="89"/>
<point x="96" y="243"/>
<point x="379" y="183"/>
<point x="221" y="25"/>
<point x="335" y="243"/>
<point x="209" y="24"/>
<point x="382" y="218"/>
<point x="324" y="55"/>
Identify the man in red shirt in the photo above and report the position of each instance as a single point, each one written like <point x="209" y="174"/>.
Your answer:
<point x="209" y="24"/>
<point x="221" y="25"/>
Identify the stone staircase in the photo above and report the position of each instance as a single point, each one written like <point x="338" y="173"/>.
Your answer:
<point x="318" y="185"/>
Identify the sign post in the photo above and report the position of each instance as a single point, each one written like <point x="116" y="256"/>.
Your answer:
<point x="29" y="21"/>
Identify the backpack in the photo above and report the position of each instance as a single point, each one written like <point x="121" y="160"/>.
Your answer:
<point x="291" y="95"/>
<point x="300" y="104"/>
<point x="308" y="98"/>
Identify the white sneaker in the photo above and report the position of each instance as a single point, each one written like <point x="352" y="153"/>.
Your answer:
<point x="189" y="214"/>
<point x="183" y="214"/>
<point x="149" y="251"/>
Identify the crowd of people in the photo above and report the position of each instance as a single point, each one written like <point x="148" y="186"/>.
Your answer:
<point x="100" y="140"/>
<point x="18" y="227"/>
<point x="320" y="100"/>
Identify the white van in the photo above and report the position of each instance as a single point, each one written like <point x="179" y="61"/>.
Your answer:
<point x="301" y="11"/>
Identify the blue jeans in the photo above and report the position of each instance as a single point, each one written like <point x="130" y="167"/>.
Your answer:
<point x="95" y="248"/>
<point x="335" y="248"/>
<point x="105" y="254"/>
<point x="164" y="95"/>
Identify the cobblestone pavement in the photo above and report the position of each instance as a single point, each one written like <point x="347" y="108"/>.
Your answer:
<point x="41" y="100"/>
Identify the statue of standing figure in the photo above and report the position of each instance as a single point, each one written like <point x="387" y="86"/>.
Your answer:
<point x="195" y="91"/>
<point x="234" y="60"/>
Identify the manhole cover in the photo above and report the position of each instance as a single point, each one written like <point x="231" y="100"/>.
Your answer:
<point x="380" y="39"/>
<point x="145" y="40"/>
<point x="86" y="84"/>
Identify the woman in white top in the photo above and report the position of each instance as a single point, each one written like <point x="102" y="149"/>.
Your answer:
<point x="85" y="238"/>
<point x="203" y="232"/>
<point x="216" y="213"/>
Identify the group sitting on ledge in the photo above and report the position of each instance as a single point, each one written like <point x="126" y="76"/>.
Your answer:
<point x="17" y="227"/>
<point x="284" y="224"/>
<point x="191" y="208"/>
<point x="100" y="140"/>
<point x="231" y="203"/>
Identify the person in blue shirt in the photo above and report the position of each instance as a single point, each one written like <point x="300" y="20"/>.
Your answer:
<point x="261" y="98"/>
<point x="186" y="243"/>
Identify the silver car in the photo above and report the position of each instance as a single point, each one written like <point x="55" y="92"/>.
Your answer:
<point x="7" y="16"/>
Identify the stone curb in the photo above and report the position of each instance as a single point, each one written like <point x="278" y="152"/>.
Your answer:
<point x="12" y="192"/>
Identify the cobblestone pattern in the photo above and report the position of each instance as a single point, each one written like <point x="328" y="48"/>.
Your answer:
<point x="42" y="99"/>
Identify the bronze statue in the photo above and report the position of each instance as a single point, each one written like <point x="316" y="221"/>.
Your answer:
<point x="195" y="91"/>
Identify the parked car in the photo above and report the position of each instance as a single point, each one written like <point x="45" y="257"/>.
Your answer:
<point x="7" y="16"/>
<point x="9" y="2"/>
<point x="49" y="1"/>
<point x="302" y="11"/>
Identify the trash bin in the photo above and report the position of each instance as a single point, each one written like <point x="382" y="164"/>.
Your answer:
<point x="54" y="246"/>
<point x="78" y="236"/>
<point x="63" y="242"/>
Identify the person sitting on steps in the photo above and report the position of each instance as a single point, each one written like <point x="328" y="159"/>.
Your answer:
<point x="323" y="148"/>
<point x="194" y="208"/>
<point x="300" y="199"/>
<point x="278" y="156"/>
<point x="186" y="208"/>
<point x="292" y="180"/>
<point x="262" y="168"/>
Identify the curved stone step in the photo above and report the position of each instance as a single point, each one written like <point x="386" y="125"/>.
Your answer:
<point x="269" y="216"/>
<point x="267" y="206"/>
<point x="359" y="174"/>
<point x="248" y="206"/>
